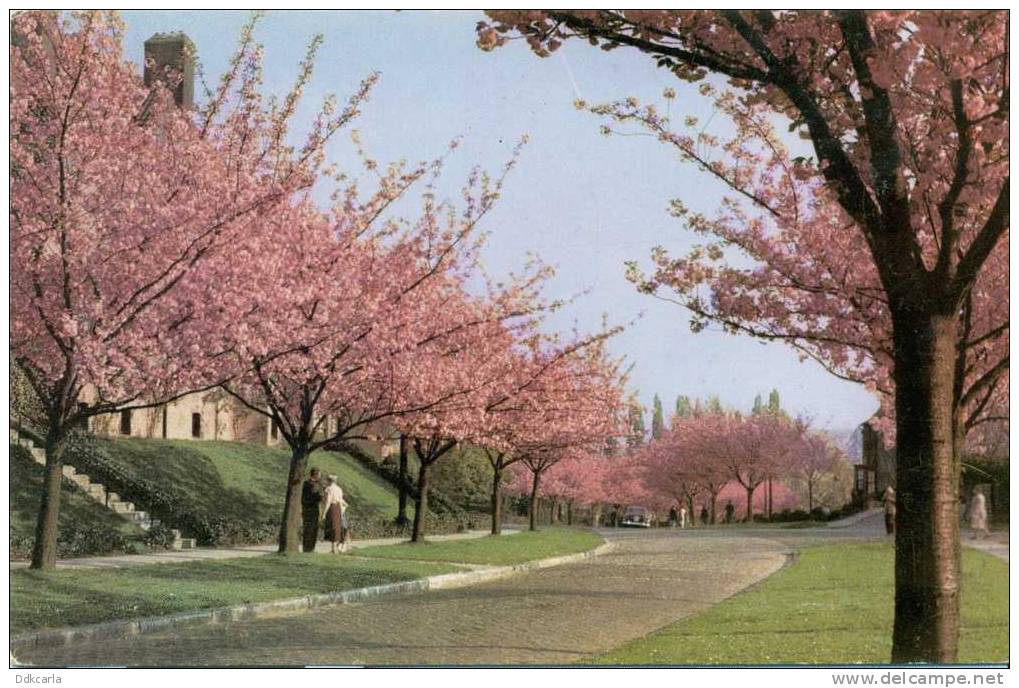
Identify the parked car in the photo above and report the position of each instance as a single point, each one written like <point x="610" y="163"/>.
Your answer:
<point x="636" y="517"/>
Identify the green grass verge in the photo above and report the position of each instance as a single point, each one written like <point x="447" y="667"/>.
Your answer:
<point x="834" y="605"/>
<point x="244" y="481"/>
<point x="76" y="509"/>
<point x="499" y="550"/>
<point x="72" y="597"/>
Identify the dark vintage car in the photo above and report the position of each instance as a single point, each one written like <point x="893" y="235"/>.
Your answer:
<point x="636" y="517"/>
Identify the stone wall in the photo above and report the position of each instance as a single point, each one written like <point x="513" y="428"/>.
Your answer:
<point x="201" y="416"/>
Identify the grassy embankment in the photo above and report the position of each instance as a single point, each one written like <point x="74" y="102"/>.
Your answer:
<point x="244" y="481"/>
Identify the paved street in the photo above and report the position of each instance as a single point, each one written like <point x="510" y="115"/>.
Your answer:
<point x="553" y="616"/>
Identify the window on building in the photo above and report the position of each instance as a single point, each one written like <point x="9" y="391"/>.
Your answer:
<point x="196" y="425"/>
<point x="125" y="422"/>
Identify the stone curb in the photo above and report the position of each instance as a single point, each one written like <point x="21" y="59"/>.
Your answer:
<point x="458" y="580"/>
<point x="119" y="630"/>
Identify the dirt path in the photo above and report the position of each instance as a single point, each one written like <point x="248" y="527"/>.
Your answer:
<point x="554" y="616"/>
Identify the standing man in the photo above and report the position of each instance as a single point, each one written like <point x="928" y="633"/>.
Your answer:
<point x="311" y="498"/>
<point x="889" y="499"/>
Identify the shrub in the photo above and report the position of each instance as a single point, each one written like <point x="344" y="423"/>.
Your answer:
<point x="20" y="545"/>
<point x="465" y="478"/>
<point x="159" y="537"/>
<point x="82" y="540"/>
<point x="74" y="541"/>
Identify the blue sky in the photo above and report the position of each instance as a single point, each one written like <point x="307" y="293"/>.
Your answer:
<point x="582" y="201"/>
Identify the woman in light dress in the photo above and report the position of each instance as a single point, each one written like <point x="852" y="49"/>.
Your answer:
<point x="334" y="507"/>
<point x="978" y="514"/>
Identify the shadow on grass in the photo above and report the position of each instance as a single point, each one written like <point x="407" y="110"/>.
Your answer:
<point x="180" y="470"/>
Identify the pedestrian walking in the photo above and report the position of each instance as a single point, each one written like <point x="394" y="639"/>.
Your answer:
<point x="978" y="514"/>
<point x="311" y="501"/>
<point x="673" y="518"/>
<point x="730" y="511"/>
<point x="704" y="515"/>
<point x="889" y="500"/>
<point x="334" y="505"/>
<point x="682" y="517"/>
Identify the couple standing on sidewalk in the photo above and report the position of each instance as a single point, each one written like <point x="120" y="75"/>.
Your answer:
<point x="326" y="502"/>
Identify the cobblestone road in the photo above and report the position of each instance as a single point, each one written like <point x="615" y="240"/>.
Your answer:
<point x="553" y="616"/>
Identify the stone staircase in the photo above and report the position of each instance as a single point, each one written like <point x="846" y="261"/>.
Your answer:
<point x="98" y="492"/>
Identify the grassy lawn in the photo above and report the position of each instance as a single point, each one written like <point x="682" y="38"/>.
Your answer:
<point x="76" y="509"/>
<point x="503" y="549"/>
<point x="244" y="481"/>
<point x="73" y="597"/>
<point x="832" y="606"/>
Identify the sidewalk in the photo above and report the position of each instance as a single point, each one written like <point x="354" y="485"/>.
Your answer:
<point x="119" y="561"/>
<point x="996" y="545"/>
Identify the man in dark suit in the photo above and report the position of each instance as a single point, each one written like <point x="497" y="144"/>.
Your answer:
<point x="311" y="498"/>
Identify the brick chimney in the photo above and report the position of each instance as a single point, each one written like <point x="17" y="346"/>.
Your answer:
<point x="176" y="51"/>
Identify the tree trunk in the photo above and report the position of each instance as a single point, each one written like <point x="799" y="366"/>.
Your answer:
<point x="810" y="496"/>
<point x="771" y="498"/>
<point x="421" y="505"/>
<point x="44" y="550"/>
<point x="750" y="504"/>
<point x="553" y="516"/>
<point x="533" y="515"/>
<point x="691" y="517"/>
<point x="401" y="511"/>
<point x="290" y="527"/>
<point x="497" y="501"/>
<point x="927" y="550"/>
<point x="714" y="499"/>
<point x="569" y="513"/>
